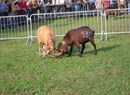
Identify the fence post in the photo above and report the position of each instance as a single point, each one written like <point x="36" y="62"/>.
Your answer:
<point x="29" y="25"/>
<point x="102" y="32"/>
<point x="105" y="26"/>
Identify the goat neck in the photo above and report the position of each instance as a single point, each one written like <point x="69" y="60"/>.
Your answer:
<point x="64" y="43"/>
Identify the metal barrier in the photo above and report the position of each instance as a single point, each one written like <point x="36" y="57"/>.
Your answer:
<point x="62" y="22"/>
<point x="117" y="21"/>
<point x="14" y="27"/>
<point x="18" y="27"/>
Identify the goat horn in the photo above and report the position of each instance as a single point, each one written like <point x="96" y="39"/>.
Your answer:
<point x="55" y="55"/>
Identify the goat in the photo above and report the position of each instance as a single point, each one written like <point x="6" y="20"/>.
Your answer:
<point x="46" y="40"/>
<point x="76" y="37"/>
<point x="113" y="12"/>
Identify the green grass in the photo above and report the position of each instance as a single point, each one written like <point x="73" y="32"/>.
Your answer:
<point x="24" y="72"/>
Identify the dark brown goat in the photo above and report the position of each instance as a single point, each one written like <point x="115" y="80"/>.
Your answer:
<point x="76" y="37"/>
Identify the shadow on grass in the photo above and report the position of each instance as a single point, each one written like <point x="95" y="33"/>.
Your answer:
<point x="103" y="49"/>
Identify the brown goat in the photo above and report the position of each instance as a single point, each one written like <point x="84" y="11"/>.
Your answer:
<point x="76" y="37"/>
<point x="46" y="40"/>
<point x="114" y="12"/>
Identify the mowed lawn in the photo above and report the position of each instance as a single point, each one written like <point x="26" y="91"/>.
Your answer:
<point x="24" y="72"/>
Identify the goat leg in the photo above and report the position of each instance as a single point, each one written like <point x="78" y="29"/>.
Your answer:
<point x="83" y="47"/>
<point x="43" y="53"/>
<point x="70" y="51"/>
<point x="39" y="49"/>
<point x="80" y="54"/>
<point x="94" y="45"/>
<point x="78" y="46"/>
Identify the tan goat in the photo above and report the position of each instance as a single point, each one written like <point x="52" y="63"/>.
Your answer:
<point x="46" y="40"/>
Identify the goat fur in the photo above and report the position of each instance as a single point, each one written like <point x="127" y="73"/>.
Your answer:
<point x="76" y="37"/>
<point x="46" y="40"/>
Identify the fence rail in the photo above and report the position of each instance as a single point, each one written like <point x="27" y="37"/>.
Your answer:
<point x="62" y="22"/>
<point x="14" y="27"/>
<point x="19" y="27"/>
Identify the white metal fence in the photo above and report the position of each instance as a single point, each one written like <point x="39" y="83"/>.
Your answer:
<point x="14" y="27"/>
<point x="17" y="27"/>
<point x="62" y="22"/>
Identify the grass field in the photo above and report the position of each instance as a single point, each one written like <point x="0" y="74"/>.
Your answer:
<point x="24" y="72"/>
